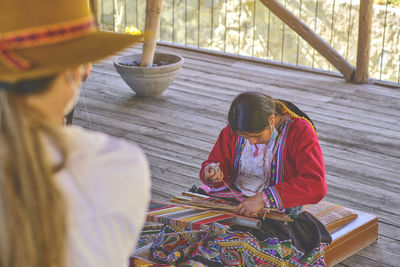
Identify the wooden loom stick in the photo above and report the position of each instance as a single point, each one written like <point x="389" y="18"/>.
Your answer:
<point x="273" y="215"/>
<point x="191" y="194"/>
<point x="157" y="226"/>
<point x="204" y="197"/>
<point x="228" y="209"/>
<point x="189" y="205"/>
<point x="235" y="219"/>
<point x="149" y="232"/>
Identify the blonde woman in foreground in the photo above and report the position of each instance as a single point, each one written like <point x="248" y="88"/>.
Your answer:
<point x="68" y="196"/>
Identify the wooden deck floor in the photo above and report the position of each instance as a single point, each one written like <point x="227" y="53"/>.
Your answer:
<point x="358" y="125"/>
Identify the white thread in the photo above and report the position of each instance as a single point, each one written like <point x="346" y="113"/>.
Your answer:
<point x="86" y="110"/>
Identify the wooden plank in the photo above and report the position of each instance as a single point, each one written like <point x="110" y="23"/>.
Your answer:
<point x="390" y="134"/>
<point x="211" y="59"/>
<point x="346" y="166"/>
<point x="340" y="191"/>
<point x="312" y="38"/>
<point x="263" y="65"/>
<point x="216" y="132"/>
<point x="165" y="124"/>
<point x="392" y="233"/>
<point x="370" y="118"/>
<point x="385" y="213"/>
<point x="213" y="133"/>
<point x="357" y="260"/>
<point x="322" y="118"/>
<point x="297" y="95"/>
<point x="381" y="255"/>
<point x="383" y="244"/>
<point x="269" y="63"/>
<point x="251" y="80"/>
<point x="384" y="228"/>
<point x="287" y="82"/>
<point x="364" y="41"/>
<point x="350" y="138"/>
<point x="177" y="120"/>
<point x="353" y="120"/>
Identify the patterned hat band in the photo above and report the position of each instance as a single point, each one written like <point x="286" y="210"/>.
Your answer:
<point x="38" y="36"/>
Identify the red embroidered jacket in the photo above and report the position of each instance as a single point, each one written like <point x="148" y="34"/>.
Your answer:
<point x="304" y="170"/>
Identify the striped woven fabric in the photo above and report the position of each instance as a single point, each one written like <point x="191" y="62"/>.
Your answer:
<point x="188" y="218"/>
<point x="333" y="216"/>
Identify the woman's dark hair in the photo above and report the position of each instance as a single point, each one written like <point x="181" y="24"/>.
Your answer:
<point x="250" y="112"/>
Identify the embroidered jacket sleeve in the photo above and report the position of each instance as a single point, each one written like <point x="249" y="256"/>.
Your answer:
<point x="224" y="153"/>
<point x="304" y="177"/>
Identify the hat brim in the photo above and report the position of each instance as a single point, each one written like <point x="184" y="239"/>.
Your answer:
<point x="48" y="60"/>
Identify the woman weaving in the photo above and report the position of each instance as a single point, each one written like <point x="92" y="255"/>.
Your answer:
<point x="267" y="157"/>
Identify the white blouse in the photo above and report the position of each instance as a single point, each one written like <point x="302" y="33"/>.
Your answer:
<point x="253" y="165"/>
<point x="107" y="184"/>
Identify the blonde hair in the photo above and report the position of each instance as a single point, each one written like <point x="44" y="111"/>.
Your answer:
<point x="32" y="208"/>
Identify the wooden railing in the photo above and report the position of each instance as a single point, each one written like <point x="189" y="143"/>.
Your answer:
<point x="206" y="24"/>
<point x="314" y="40"/>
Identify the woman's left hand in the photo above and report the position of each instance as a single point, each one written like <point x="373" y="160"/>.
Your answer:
<point x="251" y="205"/>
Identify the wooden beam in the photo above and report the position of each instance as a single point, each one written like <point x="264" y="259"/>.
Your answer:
<point x="312" y="38"/>
<point x="364" y="41"/>
<point x="94" y="6"/>
<point x="153" y="17"/>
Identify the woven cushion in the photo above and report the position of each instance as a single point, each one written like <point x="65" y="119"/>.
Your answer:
<point x="333" y="216"/>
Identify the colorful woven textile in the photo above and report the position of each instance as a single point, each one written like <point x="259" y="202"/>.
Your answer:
<point x="231" y="249"/>
<point x="298" y="243"/>
<point x="187" y="218"/>
<point x="136" y="262"/>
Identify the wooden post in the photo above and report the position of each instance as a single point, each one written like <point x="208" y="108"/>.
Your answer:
<point x="153" y="16"/>
<point x="94" y="6"/>
<point x="310" y="37"/>
<point x="364" y="41"/>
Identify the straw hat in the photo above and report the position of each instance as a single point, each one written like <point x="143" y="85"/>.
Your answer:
<point x="39" y="38"/>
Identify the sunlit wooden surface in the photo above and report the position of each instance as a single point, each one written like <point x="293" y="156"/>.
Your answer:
<point x="358" y="126"/>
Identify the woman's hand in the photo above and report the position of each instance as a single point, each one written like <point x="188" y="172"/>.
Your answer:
<point x="213" y="173"/>
<point x="251" y="206"/>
